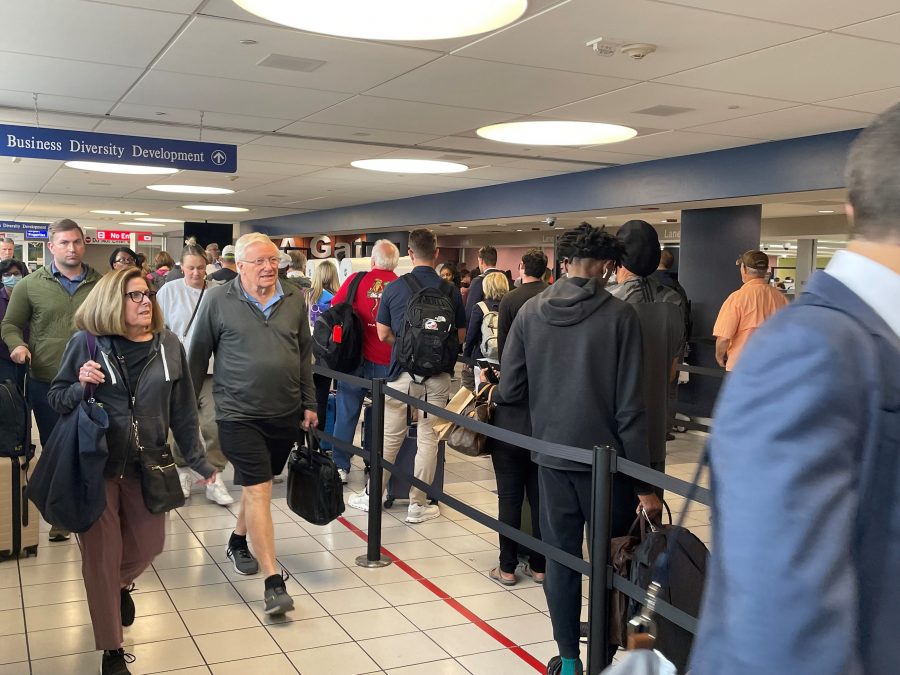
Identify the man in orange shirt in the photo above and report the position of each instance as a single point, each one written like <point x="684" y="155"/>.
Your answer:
<point x="746" y="309"/>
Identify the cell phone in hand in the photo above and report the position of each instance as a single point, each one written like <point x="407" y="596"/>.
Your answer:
<point x="490" y="372"/>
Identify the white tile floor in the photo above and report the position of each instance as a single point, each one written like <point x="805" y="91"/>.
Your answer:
<point x="195" y="615"/>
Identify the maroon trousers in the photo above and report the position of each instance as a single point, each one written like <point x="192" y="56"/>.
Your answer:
<point x="114" y="552"/>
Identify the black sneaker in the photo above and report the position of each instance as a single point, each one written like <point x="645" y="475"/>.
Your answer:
<point x="554" y="667"/>
<point x="583" y="631"/>
<point x="277" y="600"/>
<point x="115" y="662"/>
<point x="243" y="561"/>
<point x="126" y="605"/>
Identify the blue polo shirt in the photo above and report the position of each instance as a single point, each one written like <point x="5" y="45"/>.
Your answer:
<point x="267" y="308"/>
<point x="71" y="285"/>
<point x="392" y="310"/>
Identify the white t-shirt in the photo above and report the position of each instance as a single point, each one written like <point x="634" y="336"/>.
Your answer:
<point x="177" y="301"/>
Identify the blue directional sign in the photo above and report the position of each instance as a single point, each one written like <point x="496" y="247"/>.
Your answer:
<point x="36" y="234"/>
<point x="31" y="230"/>
<point x="66" y="145"/>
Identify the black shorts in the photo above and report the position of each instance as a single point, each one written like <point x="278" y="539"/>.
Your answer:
<point x="258" y="449"/>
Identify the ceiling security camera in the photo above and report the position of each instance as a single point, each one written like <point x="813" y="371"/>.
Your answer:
<point x="787" y="246"/>
<point x="550" y="220"/>
<point x="638" y="50"/>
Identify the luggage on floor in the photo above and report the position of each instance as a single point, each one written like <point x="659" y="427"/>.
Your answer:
<point x="15" y="422"/>
<point x="398" y="488"/>
<point x="314" y="488"/>
<point x="331" y="410"/>
<point x="19" y="519"/>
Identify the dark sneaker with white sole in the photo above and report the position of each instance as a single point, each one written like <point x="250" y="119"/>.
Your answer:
<point x="115" y="662"/>
<point x="126" y="605"/>
<point x="243" y="561"/>
<point x="277" y="600"/>
<point x="583" y="631"/>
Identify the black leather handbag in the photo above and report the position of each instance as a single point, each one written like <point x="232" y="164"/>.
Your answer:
<point x="314" y="488"/>
<point x="160" y="486"/>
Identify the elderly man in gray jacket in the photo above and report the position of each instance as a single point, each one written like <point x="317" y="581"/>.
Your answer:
<point x="263" y="389"/>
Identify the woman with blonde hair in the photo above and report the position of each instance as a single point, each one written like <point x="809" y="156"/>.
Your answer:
<point x="482" y="331"/>
<point x="325" y="284"/>
<point x="141" y="377"/>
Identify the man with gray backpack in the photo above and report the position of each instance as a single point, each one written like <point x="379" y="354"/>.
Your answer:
<point x="423" y="317"/>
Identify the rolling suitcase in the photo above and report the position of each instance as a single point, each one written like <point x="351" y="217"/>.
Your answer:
<point x="331" y="410"/>
<point x="19" y="520"/>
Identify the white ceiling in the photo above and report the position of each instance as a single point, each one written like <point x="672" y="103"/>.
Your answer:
<point x="746" y="72"/>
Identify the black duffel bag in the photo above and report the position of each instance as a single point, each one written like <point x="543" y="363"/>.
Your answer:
<point x="314" y="488"/>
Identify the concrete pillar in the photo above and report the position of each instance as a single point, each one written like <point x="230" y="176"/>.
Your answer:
<point x="806" y="263"/>
<point x="711" y="241"/>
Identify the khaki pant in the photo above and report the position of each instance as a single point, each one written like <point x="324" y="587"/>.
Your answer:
<point x="114" y="552"/>
<point x="209" y="430"/>
<point x="435" y="390"/>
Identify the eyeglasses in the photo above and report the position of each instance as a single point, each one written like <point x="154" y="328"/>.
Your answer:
<point x="124" y="261"/>
<point x="138" y="296"/>
<point x="274" y="260"/>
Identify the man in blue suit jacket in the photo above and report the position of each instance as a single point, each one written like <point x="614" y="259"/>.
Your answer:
<point x="805" y="567"/>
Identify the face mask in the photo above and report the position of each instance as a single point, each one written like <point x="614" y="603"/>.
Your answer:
<point x="10" y="280"/>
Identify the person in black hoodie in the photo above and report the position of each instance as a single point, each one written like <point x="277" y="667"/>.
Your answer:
<point x="574" y="353"/>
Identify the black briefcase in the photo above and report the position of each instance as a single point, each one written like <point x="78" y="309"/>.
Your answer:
<point x="314" y="488"/>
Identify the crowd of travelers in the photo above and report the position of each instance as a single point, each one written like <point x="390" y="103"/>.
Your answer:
<point x="211" y="354"/>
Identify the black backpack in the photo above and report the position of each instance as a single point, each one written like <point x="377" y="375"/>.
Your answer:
<point x="338" y="333"/>
<point x="15" y="422"/>
<point x="428" y="342"/>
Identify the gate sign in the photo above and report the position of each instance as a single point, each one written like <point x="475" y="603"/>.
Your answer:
<point x="66" y="145"/>
<point x="117" y="235"/>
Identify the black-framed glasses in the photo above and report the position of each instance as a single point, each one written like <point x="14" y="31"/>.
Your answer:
<point x="138" y="296"/>
<point x="124" y="261"/>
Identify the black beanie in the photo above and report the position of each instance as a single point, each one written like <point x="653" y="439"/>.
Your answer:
<point x="641" y="247"/>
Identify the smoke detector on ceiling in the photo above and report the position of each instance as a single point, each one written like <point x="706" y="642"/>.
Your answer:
<point x="609" y="47"/>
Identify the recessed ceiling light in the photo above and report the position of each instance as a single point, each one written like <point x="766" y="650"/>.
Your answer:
<point x="518" y="230"/>
<point x="191" y="189"/>
<point x="409" y="165"/>
<point x="131" y="224"/>
<point x="552" y="132"/>
<point x="826" y="211"/>
<point x="464" y="227"/>
<point x="395" y="20"/>
<point x="600" y="217"/>
<point x="159" y="220"/>
<point x="248" y="42"/>
<point x="121" y="168"/>
<point x="109" y="212"/>
<point x="559" y="228"/>
<point x="214" y="207"/>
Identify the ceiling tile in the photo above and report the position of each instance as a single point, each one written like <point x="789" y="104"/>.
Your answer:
<point x="619" y="107"/>
<point x="25" y="99"/>
<point x="313" y="158"/>
<point x="55" y="120"/>
<point x="812" y="13"/>
<point x="383" y="113"/>
<point x="236" y="97"/>
<point x="490" y="85"/>
<point x="350" y="65"/>
<point x="826" y="65"/>
<point x="87" y="31"/>
<point x="22" y="182"/>
<point x="675" y="143"/>
<point x="171" y="131"/>
<point x="248" y="123"/>
<point x="800" y="121"/>
<point x="177" y="6"/>
<point x="62" y="77"/>
<point x="556" y="38"/>
<point x="886" y="28"/>
<point x="871" y="102"/>
<point x="356" y="133"/>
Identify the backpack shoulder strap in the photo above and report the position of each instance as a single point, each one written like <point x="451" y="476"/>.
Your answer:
<point x="414" y="284"/>
<point x="484" y="308"/>
<point x="354" y="286"/>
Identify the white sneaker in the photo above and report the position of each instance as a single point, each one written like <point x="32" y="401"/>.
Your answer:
<point x="345" y="476"/>
<point x="359" y="501"/>
<point x="186" y="480"/>
<point x="419" y="514"/>
<point x="218" y="493"/>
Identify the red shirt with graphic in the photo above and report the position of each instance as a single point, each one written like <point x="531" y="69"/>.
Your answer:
<point x="368" y="297"/>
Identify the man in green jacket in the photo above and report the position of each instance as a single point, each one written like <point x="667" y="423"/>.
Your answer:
<point x="46" y="302"/>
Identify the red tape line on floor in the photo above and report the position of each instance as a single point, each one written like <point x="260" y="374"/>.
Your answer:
<point x="452" y="602"/>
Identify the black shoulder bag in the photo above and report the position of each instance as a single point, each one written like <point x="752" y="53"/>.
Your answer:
<point x="160" y="486"/>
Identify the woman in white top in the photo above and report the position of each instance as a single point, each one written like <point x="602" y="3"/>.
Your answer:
<point x="179" y="300"/>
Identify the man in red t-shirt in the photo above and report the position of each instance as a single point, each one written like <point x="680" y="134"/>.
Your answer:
<point x="376" y="354"/>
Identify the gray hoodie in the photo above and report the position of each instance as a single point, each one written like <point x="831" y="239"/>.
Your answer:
<point x="574" y="353"/>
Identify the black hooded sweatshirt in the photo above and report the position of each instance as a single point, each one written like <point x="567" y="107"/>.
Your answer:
<point x="574" y="353"/>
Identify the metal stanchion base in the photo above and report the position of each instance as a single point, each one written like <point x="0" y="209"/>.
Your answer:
<point x="363" y="561"/>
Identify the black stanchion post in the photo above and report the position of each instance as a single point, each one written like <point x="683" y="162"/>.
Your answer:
<point x="598" y="589"/>
<point x="373" y="558"/>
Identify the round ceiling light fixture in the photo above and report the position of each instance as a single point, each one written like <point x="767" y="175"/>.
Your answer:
<point x="553" y="132"/>
<point x="134" y="169"/>
<point x="159" y="220"/>
<point x="215" y="207"/>
<point x="108" y="212"/>
<point x="390" y="19"/>
<point x="409" y="165"/>
<point x="191" y="189"/>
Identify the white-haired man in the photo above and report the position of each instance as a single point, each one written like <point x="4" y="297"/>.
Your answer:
<point x="376" y="354"/>
<point x="263" y="389"/>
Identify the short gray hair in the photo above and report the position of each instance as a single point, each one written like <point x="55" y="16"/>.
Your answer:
<point x="385" y="255"/>
<point x="7" y="240"/>
<point x="248" y="240"/>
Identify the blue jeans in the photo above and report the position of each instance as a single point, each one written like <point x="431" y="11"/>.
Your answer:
<point x="349" y="402"/>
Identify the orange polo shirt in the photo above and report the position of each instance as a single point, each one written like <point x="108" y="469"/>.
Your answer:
<point x="743" y="312"/>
